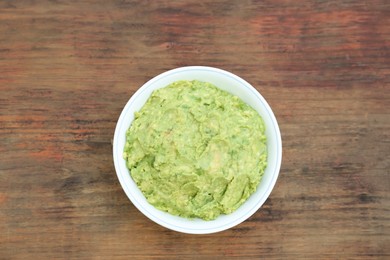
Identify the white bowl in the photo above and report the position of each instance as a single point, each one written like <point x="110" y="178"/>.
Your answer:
<point x="230" y="83"/>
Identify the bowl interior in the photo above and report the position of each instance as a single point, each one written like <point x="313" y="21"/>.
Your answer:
<point x="230" y="83"/>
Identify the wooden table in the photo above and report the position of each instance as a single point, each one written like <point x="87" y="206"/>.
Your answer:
<point x="67" y="68"/>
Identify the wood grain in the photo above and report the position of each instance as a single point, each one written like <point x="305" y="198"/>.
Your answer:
<point x="67" y="68"/>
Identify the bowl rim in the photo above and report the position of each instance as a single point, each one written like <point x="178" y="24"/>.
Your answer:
<point x="162" y="222"/>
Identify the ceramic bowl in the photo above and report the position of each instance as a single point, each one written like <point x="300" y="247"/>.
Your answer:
<point x="225" y="81"/>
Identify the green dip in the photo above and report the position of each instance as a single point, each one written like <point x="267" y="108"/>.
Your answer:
<point x="196" y="151"/>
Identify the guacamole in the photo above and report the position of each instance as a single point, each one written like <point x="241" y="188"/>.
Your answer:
<point x="195" y="150"/>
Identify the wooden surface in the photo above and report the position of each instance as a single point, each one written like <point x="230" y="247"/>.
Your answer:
<point x="67" y="68"/>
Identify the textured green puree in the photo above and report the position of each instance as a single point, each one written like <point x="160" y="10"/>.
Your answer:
<point x="196" y="151"/>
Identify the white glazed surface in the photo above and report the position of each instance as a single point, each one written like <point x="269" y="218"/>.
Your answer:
<point x="236" y="86"/>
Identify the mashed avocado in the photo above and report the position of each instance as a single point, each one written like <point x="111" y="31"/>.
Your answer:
<point x="196" y="151"/>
